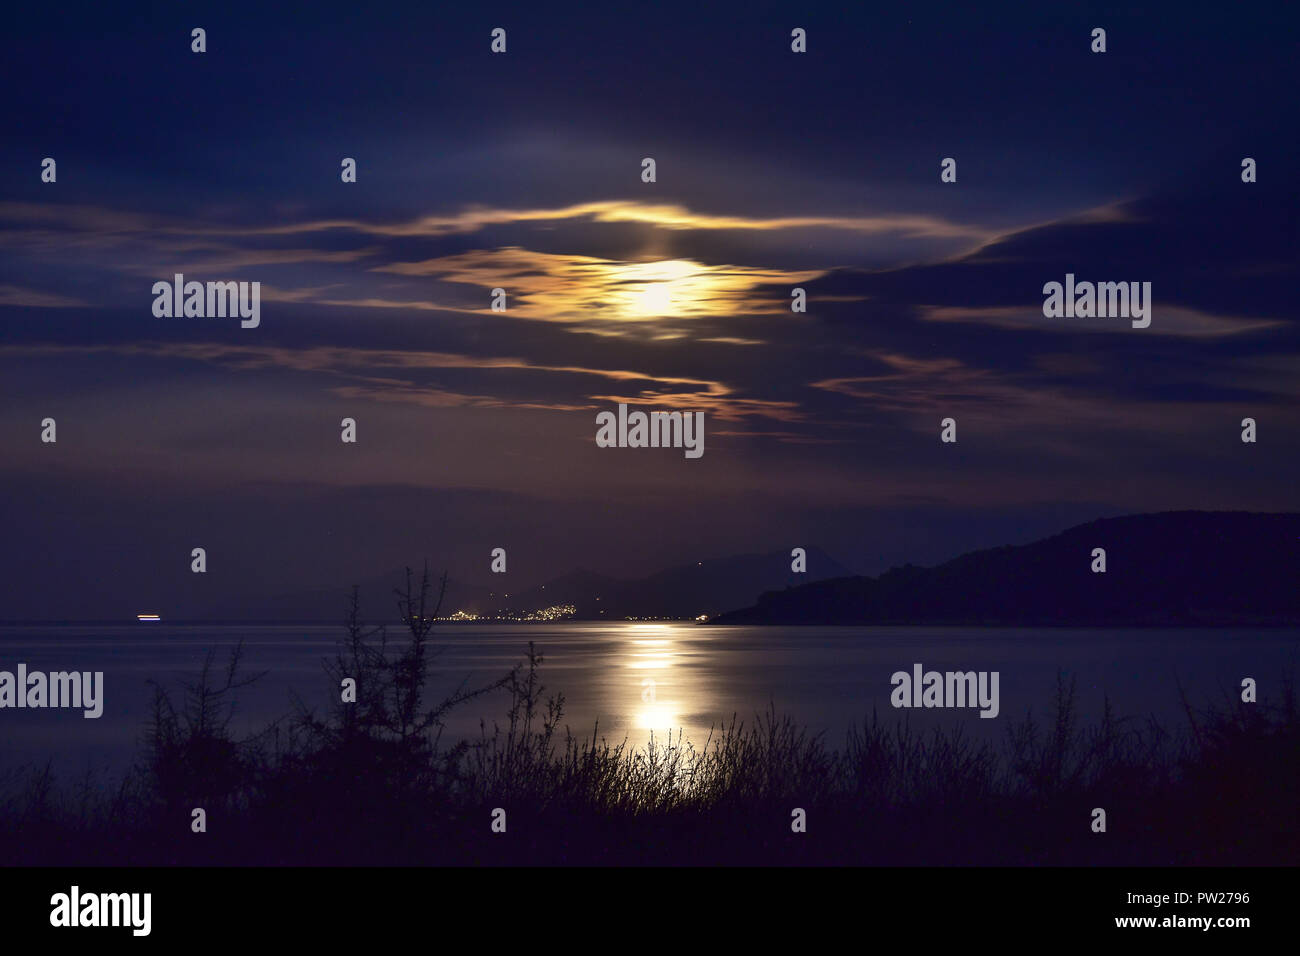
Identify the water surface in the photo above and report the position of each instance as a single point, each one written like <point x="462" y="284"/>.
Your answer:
<point x="636" y="679"/>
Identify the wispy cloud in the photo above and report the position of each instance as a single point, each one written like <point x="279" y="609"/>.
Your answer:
<point x="31" y="298"/>
<point x="1165" y="320"/>
<point x="665" y="216"/>
<point x="391" y="376"/>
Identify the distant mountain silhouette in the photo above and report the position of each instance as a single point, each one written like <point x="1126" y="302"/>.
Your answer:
<point x="1181" y="568"/>
<point x="705" y="587"/>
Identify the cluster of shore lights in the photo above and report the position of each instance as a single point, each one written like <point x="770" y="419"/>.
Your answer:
<point x="557" y="612"/>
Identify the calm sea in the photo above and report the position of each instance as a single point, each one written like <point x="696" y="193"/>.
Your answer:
<point x="636" y="679"/>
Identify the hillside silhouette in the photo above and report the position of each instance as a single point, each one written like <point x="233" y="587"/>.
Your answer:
<point x="1174" y="569"/>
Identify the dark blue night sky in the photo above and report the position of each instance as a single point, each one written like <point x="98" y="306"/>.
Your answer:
<point x="522" y="171"/>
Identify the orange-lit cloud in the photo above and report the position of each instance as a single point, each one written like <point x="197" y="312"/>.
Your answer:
<point x="567" y="288"/>
<point x="359" y="367"/>
<point x="665" y="216"/>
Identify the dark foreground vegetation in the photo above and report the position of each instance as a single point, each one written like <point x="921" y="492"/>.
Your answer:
<point x="372" y="782"/>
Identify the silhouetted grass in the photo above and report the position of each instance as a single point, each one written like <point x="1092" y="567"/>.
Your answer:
<point x="372" y="782"/>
